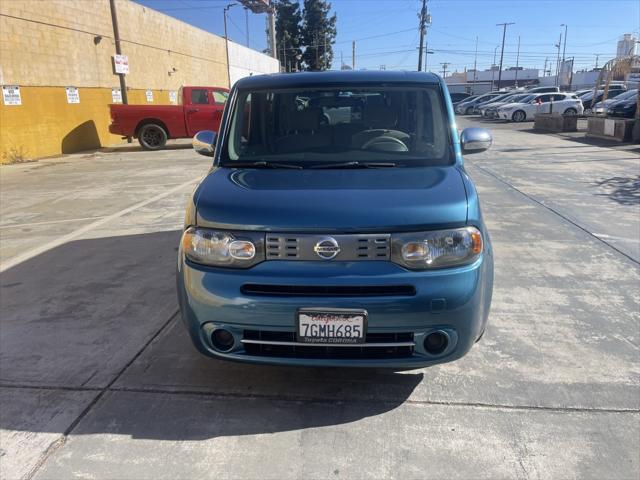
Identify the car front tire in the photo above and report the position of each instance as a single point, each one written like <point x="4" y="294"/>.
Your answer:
<point x="519" y="116"/>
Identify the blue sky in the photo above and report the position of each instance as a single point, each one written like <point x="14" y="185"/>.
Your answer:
<point x="386" y="33"/>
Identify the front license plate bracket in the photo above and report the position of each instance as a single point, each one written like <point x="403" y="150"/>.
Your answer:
<point x="331" y="326"/>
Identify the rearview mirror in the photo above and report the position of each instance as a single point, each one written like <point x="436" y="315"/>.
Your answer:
<point x="475" y="140"/>
<point x="204" y="142"/>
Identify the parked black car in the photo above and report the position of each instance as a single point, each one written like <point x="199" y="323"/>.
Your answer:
<point x="588" y="100"/>
<point x="625" y="108"/>
<point x="458" y="97"/>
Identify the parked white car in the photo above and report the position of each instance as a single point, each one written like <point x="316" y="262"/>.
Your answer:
<point x="564" y="103"/>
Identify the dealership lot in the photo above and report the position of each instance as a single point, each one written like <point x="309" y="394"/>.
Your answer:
<point x="99" y="378"/>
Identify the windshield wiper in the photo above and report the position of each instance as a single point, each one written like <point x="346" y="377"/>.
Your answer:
<point x="356" y="165"/>
<point x="261" y="164"/>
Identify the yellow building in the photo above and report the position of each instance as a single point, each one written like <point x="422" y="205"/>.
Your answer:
<point x="46" y="47"/>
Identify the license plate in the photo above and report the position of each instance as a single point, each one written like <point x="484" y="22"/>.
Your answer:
<point x="331" y="326"/>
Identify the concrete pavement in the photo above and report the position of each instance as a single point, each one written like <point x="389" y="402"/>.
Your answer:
<point x="99" y="379"/>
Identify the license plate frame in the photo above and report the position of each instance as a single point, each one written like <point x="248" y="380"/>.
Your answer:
<point x="341" y="316"/>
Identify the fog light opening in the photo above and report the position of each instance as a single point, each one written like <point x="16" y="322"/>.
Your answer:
<point x="222" y="340"/>
<point x="437" y="342"/>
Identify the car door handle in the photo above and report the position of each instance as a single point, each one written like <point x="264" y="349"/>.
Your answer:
<point x="193" y="110"/>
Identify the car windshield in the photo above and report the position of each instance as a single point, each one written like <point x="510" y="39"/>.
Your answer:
<point x="521" y="97"/>
<point x="394" y="126"/>
<point x="627" y="95"/>
<point x="525" y="98"/>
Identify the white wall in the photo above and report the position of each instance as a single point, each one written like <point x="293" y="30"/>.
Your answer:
<point x="244" y="62"/>
<point x="488" y="75"/>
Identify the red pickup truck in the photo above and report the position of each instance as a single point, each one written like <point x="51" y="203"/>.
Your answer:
<point x="152" y="125"/>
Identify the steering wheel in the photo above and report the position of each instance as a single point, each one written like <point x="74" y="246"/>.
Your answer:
<point x="385" y="144"/>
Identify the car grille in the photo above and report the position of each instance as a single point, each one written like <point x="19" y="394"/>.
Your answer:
<point x="328" y="290"/>
<point x="352" y="247"/>
<point x="284" y="344"/>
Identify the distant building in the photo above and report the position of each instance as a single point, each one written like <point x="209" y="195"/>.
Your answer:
<point x="627" y="45"/>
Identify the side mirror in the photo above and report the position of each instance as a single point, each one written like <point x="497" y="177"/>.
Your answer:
<point x="475" y="140"/>
<point x="204" y="142"/>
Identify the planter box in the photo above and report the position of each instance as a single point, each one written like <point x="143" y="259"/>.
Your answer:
<point x="618" y="129"/>
<point x="554" y="122"/>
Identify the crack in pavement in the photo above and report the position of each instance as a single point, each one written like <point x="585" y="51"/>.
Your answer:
<point x="491" y="173"/>
<point x="300" y="398"/>
<point x="61" y="441"/>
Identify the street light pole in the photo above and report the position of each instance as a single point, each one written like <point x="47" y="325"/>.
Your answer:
<point x="504" y="33"/>
<point x="226" y="40"/>
<point x="427" y="52"/>
<point x="475" y="68"/>
<point x="493" y="66"/>
<point x="558" y="60"/>
<point x="564" y="49"/>
<point x="517" y="63"/>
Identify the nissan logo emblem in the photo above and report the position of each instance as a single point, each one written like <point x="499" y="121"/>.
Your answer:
<point x="327" y="248"/>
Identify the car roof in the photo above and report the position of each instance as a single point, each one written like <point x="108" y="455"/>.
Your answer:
<point x="308" y="79"/>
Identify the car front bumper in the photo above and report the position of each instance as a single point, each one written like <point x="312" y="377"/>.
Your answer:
<point x="454" y="301"/>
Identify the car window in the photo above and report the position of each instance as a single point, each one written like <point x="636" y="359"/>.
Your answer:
<point x="220" y="97"/>
<point x="199" y="96"/>
<point x="628" y="94"/>
<point x="545" y="98"/>
<point x="559" y="97"/>
<point x="405" y="125"/>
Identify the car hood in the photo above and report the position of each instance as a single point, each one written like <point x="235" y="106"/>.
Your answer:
<point x="383" y="200"/>
<point x="629" y="102"/>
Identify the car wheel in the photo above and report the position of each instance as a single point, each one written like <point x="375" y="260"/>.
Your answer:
<point x="518" y="116"/>
<point x="570" y="111"/>
<point x="152" y="136"/>
<point x="468" y="111"/>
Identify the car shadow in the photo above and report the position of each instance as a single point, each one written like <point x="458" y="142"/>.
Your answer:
<point x="94" y="320"/>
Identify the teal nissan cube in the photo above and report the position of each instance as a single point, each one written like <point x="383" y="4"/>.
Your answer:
<point x="337" y="225"/>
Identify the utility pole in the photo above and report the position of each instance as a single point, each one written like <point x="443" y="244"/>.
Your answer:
<point x="226" y="40"/>
<point x="597" y="57"/>
<point x="116" y="36"/>
<point x="353" y="55"/>
<point x="246" y="23"/>
<point x="517" y="63"/>
<point x="422" y="29"/>
<point x="544" y="72"/>
<point x="444" y="69"/>
<point x="475" y="68"/>
<point x="504" y="33"/>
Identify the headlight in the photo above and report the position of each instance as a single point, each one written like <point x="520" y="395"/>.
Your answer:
<point x="223" y="249"/>
<point x="436" y="249"/>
